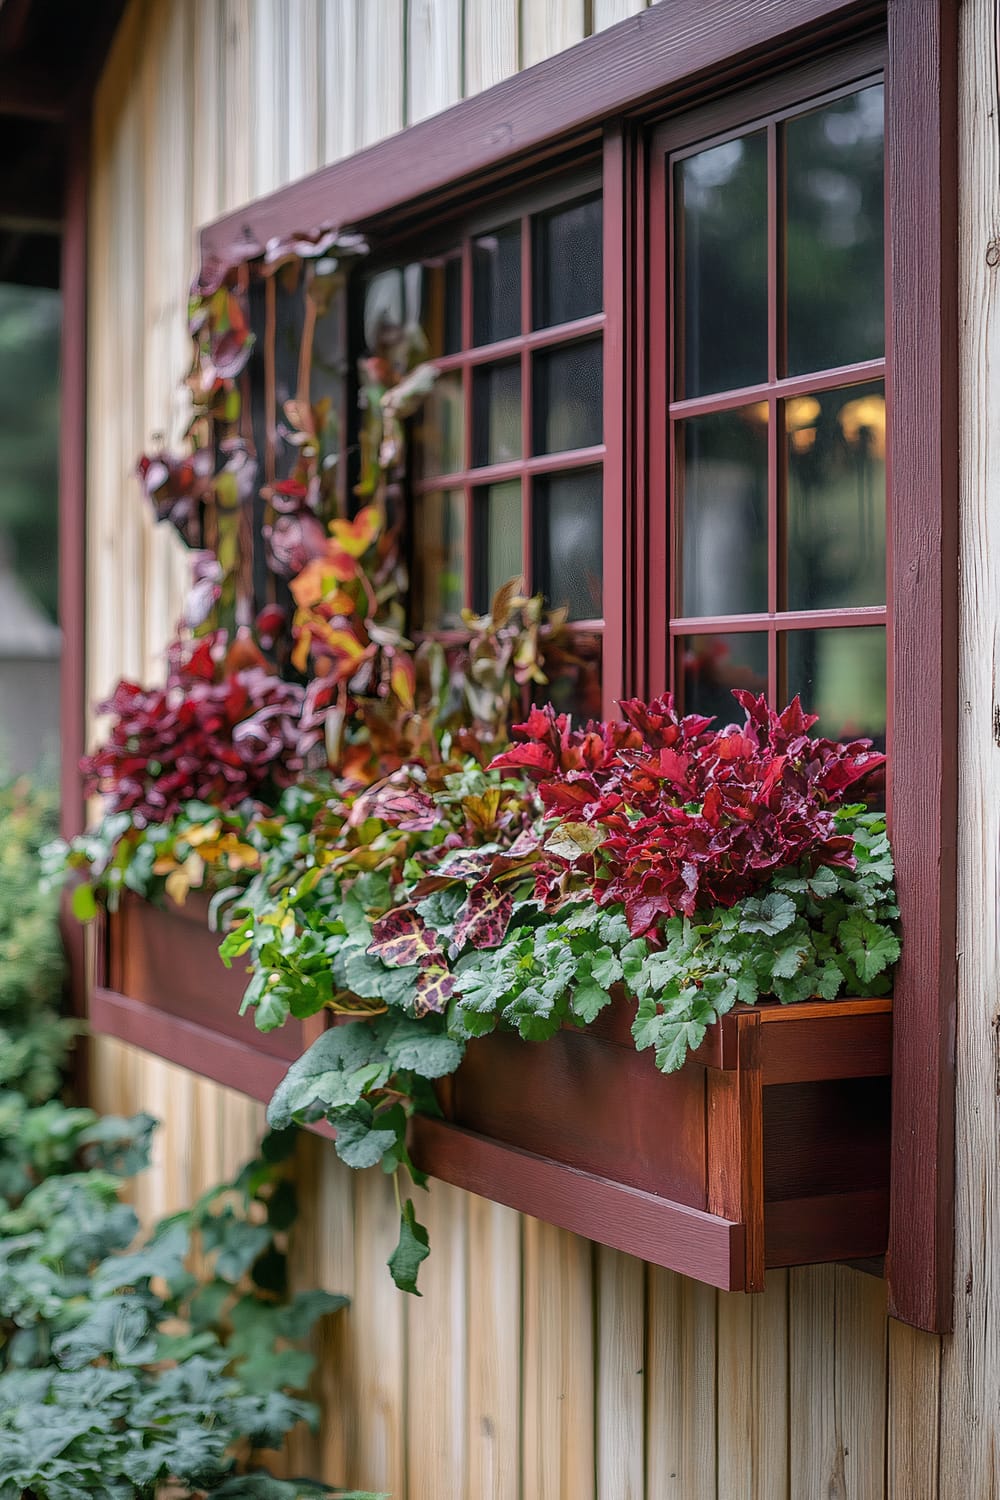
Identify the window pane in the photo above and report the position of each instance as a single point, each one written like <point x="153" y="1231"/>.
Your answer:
<point x="437" y="593"/>
<point x="836" y="299"/>
<point x="568" y="397"/>
<point x="567" y="545"/>
<point x="840" y="675"/>
<point x="713" y="665"/>
<point x="496" y="414"/>
<point x="496" y="286"/>
<point x="441" y="306"/>
<point x="722" y="266"/>
<point x="439" y="428"/>
<point x="724" y="513"/>
<point x="574" y="685"/>
<point x="498" y="555"/>
<point x="836" y="498"/>
<point x="568" y="264"/>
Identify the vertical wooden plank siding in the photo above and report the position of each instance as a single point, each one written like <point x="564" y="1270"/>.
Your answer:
<point x="970" y="1367"/>
<point x="557" y="1369"/>
<point x="547" y="28"/>
<point x="609" y="12"/>
<point x="381" y="70"/>
<point x="493" y="1364"/>
<point x="534" y="1367"/>
<point x="433" y="57"/>
<point x="492" y="43"/>
<point x="621" y="1384"/>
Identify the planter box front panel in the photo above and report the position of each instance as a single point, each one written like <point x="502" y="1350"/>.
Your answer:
<point x="161" y="985"/>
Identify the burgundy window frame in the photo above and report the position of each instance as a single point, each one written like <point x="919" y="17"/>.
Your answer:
<point x="612" y="87"/>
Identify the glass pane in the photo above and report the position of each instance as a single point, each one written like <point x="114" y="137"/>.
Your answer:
<point x="496" y="414"/>
<point x="722" y="266"/>
<point x="496" y="285"/>
<point x="568" y="264"/>
<point x="29" y="532"/>
<point x="567" y="542"/>
<point x="713" y="665"/>
<point x="439" y="435"/>
<point x="569" y="397"/>
<point x="498" y="556"/>
<point x="441" y="306"/>
<point x="840" y="675"/>
<point x="384" y="308"/>
<point x="438" y="588"/>
<point x="574" y="678"/>
<point x="835" y="274"/>
<point x="724" y="513"/>
<point x="836" y="498"/>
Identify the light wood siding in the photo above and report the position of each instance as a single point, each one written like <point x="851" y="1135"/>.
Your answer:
<point x="536" y="1367"/>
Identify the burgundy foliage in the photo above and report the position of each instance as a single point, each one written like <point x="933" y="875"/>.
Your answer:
<point x="693" y="817"/>
<point x="222" y="729"/>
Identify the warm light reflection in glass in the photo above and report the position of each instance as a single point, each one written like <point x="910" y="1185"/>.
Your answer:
<point x="863" y="420"/>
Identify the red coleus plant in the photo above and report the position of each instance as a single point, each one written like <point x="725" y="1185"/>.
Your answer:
<point x="221" y="730"/>
<point x="689" y="817"/>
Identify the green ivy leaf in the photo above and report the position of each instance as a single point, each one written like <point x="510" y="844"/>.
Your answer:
<point x="771" y="914"/>
<point x="412" y="1249"/>
<point x="415" y="1046"/>
<point x="359" y="1142"/>
<point x="870" y="947"/>
<point x="588" y="1000"/>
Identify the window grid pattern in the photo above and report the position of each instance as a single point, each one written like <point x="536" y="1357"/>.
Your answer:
<point x="771" y="398"/>
<point x="473" y="480"/>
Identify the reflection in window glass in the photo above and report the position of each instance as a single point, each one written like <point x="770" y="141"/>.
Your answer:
<point x="568" y="264"/>
<point x="439" y="428"/>
<point x="496" y="414"/>
<point x="834" y="255"/>
<point x="722" y="248"/>
<point x="712" y="666"/>
<point x="836" y="498"/>
<point x="436" y="595"/>
<point x="29" y="637"/>
<point x="568" y="397"/>
<point x="496" y="286"/>
<point x="575" y="685"/>
<point x="840" y="675"/>
<point x="567" y="542"/>
<point x="498" y="555"/>
<point x="724" y="513"/>
<point x="441" y="306"/>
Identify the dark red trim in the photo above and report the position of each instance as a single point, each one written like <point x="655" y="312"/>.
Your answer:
<point x="922" y="156"/>
<point x="656" y="1229"/>
<point x="201" y="1049"/>
<point x="72" y="520"/>
<point x="792" y="619"/>
<point x="669" y="52"/>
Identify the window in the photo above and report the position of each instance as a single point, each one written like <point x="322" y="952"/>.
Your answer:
<point x="776" y="430"/>
<point x="506" y="452"/>
<point x="777" y="312"/>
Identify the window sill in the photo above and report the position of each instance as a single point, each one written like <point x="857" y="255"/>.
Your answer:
<point x="769" y="1148"/>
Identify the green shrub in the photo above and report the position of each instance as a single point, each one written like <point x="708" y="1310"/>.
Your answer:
<point x="124" y="1375"/>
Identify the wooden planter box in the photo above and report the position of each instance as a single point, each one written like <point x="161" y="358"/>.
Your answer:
<point x="770" y="1147"/>
<point x="160" y="984"/>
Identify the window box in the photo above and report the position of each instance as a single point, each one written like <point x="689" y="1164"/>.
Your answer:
<point x="769" y="1148"/>
<point x="161" y="985"/>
